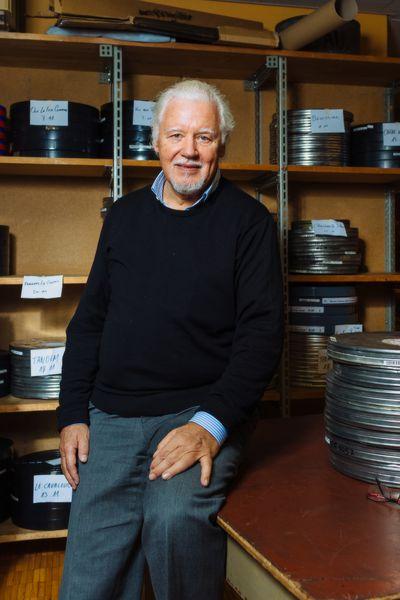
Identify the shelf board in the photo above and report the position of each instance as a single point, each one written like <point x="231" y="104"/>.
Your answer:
<point x="346" y="175"/>
<point x="12" y="533"/>
<point x="305" y="393"/>
<point x="97" y="167"/>
<point x="67" y="280"/>
<point x="11" y="404"/>
<point x="54" y="167"/>
<point x="200" y="60"/>
<point x="389" y="278"/>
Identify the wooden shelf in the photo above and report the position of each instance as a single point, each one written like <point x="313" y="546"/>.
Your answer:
<point x="389" y="278"/>
<point x="97" y="167"/>
<point x="11" y="404"/>
<point x="304" y="393"/>
<point x="345" y="175"/>
<point x="200" y="60"/>
<point x="12" y="533"/>
<point x="18" y="279"/>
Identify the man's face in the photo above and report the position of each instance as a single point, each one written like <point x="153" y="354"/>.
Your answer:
<point x="189" y="145"/>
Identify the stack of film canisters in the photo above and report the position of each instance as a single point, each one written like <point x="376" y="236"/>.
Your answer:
<point x="4" y="250"/>
<point x="23" y="385"/>
<point x="136" y="139"/>
<point x="5" y="374"/>
<point x="362" y="415"/>
<point x="44" y="514"/>
<point x="107" y="204"/>
<point x="311" y="253"/>
<point x="4" y="146"/>
<point x="6" y="456"/>
<point x="311" y="149"/>
<point x="78" y="139"/>
<point x="368" y="149"/>
<point x="315" y="312"/>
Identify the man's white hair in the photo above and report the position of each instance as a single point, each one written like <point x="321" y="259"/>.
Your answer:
<point x="194" y="89"/>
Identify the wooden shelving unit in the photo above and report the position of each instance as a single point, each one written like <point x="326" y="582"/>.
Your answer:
<point x="18" y="279"/>
<point x="200" y="60"/>
<point x="12" y="533"/>
<point x="11" y="404"/>
<point x="387" y="278"/>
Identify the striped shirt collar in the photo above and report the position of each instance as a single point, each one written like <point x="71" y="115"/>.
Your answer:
<point x="158" y="187"/>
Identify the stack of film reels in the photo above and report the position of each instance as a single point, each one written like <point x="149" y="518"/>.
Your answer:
<point x="25" y="382"/>
<point x="376" y="145"/>
<point x="315" y="137"/>
<point x="136" y="130"/>
<point x="54" y="129"/>
<point x="316" y="312"/>
<point x="362" y="415"/>
<point x="325" y="246"/>
<point x="4" y="145"/>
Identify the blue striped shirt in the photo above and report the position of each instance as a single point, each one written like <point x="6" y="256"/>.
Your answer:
<point x="209" y="422"/>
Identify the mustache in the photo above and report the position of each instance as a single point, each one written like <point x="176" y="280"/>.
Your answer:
<point x="188" y="163"/>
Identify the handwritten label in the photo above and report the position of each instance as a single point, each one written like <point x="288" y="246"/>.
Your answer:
<point x="42" y="288"/>
<point x="143" y="112"/>
<point x="340" y="300"/>
<point x="49" y="112"/>
<point x="46" y="361"/>
<point x="329" y="227"/>
<point x="51" y="488"/>
<point x="306" y="329"/>
<point x="391" y="134"/>
<point x="307" y="309"/>
<point x="324" y="363"/>
<point x="354" y="328"/>
<point x="327" y="121"/>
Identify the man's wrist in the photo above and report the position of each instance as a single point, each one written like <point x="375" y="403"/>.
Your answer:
<point x="210" y="424"/>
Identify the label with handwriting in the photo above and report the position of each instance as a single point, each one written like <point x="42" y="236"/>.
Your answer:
<point x="46" y="361"/>
<point x="351" y="328"/>
<point x="329" y="227"/>
<point x="42" y="288"/>
<point x="143" y="112"/>
<point x="327" y="121"/>
<point x="51" y="488"/>
<point x="49" y="112"/>
<point x="391" y="134"/>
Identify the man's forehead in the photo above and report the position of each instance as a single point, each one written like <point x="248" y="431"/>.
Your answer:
<point x="182" y="106"/>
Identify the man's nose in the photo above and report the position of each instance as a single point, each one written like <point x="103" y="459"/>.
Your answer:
<point x="189" y="146"/>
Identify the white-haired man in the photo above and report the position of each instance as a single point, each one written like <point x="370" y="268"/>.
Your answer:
<point x="175" y="337"/>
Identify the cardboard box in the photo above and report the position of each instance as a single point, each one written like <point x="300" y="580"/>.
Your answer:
<point x="123" y="9"/>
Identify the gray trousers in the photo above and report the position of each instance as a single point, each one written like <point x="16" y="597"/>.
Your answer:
<point x="120" y="519"/>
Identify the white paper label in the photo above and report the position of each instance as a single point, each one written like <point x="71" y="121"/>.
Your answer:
<point x="324" y="363"/>
<point x="340" y="300"/>
<point x="46" y="361"/>
<point x="51" y="488"/>
<point x="329" y="227"/>
<point x="315" y="300"/>
<point x="143" y="112"/>
<point x="18" y="352"/>
<point x="392" y="362"/>
<point x="306" y="329"/>
<point x="353" y="328"/>
<point x="49" y="112"/>
<point x="42" y="288"/>
<point x="327" y="121"/>
<point x="391" y="134"/>
<point x="392" y="341"/>
<point x="307" y="309"/>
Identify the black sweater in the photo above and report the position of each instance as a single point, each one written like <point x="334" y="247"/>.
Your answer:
<point x="181" y="308"/>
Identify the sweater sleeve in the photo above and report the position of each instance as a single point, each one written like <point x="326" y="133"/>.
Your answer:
<point x="258" y="336"/>
<point x="83" y="335"/>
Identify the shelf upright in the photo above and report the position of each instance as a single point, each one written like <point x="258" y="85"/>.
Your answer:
<point x="390" y="200"/>
<point x="278" y="66"/>
<point x="113" y="76"/>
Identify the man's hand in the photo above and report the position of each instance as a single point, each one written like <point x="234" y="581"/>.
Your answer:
<point x="73" y="439"/>
<point x="181" y="448"/>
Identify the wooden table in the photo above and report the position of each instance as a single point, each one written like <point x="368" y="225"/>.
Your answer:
<point x="297" y="528"/>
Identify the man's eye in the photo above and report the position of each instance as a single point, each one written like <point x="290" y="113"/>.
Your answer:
<point x="205" y="138"/>
<point x="176" y="136"/>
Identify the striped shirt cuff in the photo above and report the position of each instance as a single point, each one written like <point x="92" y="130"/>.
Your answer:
<point x="211" y="424"/>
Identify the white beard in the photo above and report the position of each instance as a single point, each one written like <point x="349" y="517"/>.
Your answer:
<point x="188" y="188"/>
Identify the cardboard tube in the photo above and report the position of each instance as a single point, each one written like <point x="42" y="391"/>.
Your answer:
<point x="324" y="20"/>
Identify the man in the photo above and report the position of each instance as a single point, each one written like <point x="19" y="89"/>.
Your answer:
<point x="175" y="337"/>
